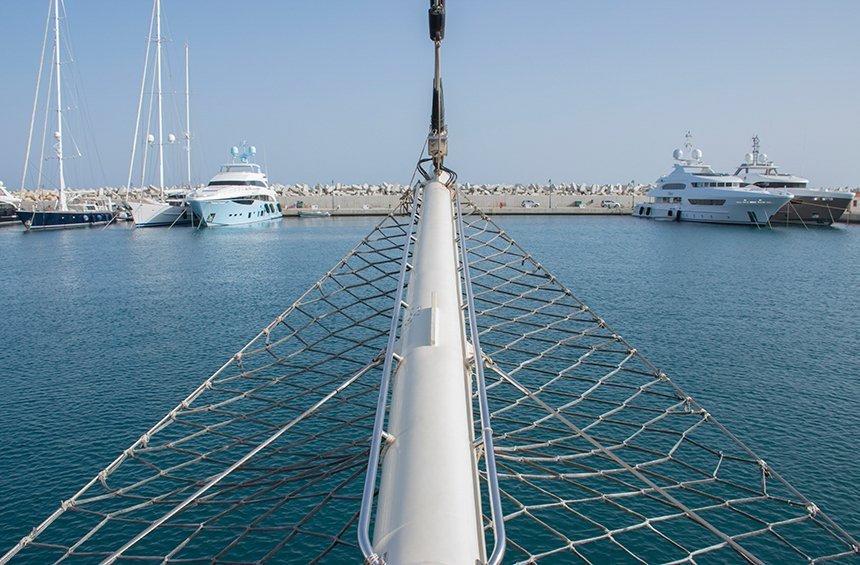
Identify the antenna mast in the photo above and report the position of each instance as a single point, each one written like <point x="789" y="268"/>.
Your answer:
<point x="187" y="118"/>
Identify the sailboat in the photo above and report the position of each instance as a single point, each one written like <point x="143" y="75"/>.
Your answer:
<point x="169" y="207"/>
<point x="63" y="214"/>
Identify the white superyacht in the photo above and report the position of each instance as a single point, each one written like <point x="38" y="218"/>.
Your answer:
<point x="808" y="206"/>
<point x="694" y="192"/>
<point x="239" y="194"/>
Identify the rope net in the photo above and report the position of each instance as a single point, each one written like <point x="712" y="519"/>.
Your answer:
<point x="600" y="456"/>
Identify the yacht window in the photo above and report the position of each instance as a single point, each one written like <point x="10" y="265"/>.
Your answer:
<point x="237" y="183"/>
<point x="706" y="201"/>
<point x="676" y="199"/>
<point x="674" y="186"/>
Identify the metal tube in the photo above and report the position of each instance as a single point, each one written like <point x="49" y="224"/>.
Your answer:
<point x="499" y="538"/>
<point x="376" y="439"/>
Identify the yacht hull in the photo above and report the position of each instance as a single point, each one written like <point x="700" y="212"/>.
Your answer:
<point x="8" y="217"/>
<point x="736" y="213"/>
<point x="237" y="212"/>
<point x="58" y="219"/>
<point x="811" y="210"/>
<point x="156" y="214"/>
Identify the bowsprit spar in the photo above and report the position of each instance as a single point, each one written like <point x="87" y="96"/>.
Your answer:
<point x="438" y="396"/>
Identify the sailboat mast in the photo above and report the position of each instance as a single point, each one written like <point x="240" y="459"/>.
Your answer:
<point x="58" y="135"/>
<point x="158" y="40"/>
<point x="187" y="119"/>
<point x="140" y="102"/>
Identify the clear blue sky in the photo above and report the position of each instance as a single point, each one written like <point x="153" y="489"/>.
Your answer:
<point x="595" y="91"/>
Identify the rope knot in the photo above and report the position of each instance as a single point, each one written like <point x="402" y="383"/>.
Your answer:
<point x="30" y="537"/>
<point x="66" y="504"/>
<point x="812" y="509"/>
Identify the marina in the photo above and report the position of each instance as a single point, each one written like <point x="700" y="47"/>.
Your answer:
<point x="138" y="363"/>
<point x="422" y="385"/>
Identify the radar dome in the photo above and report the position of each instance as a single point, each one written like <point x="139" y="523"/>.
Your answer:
<point x="678" y="154"/>
<point x="749" y="158"/>
<point x="764" y="157"/>
<point x="697" y="154"/>
<point x="150" y="138"/>
<point x="234" y="151"/>
<point x="252" y="150"/>
<point x="171" y="138"/>
<point x="57" y="135"/>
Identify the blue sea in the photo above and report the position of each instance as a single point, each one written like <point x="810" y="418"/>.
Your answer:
<point x="104" y="330"/>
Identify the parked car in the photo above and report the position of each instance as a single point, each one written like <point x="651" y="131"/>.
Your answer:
<point x="610" y="204"/>
<point x="530" y="204"/>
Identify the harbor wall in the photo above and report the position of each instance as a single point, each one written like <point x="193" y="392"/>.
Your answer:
<point x="496" y="204"/>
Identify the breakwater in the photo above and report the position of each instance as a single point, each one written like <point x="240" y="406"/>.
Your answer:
<point x="377" y="199"/>
<point x="368" y="199"/>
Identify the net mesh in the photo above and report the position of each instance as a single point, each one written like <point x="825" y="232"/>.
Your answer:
<point x="600" y="456"/>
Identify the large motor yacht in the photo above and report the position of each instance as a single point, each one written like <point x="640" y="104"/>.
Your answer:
<point x="693" y="192"/>
<point x="808" y="206"/>
<point x="238" y="194"/>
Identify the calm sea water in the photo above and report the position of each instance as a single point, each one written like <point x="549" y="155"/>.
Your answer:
<point x="103" y="331"/>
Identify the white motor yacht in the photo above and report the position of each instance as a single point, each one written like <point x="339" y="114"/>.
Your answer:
<point x="8" y="206"/>
<point x="694" y="192"/>
<point x="239" y="194"/>
<point x="808" y="206"/>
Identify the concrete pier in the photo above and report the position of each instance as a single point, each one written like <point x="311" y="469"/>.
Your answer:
<point x="509" y="204"/>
